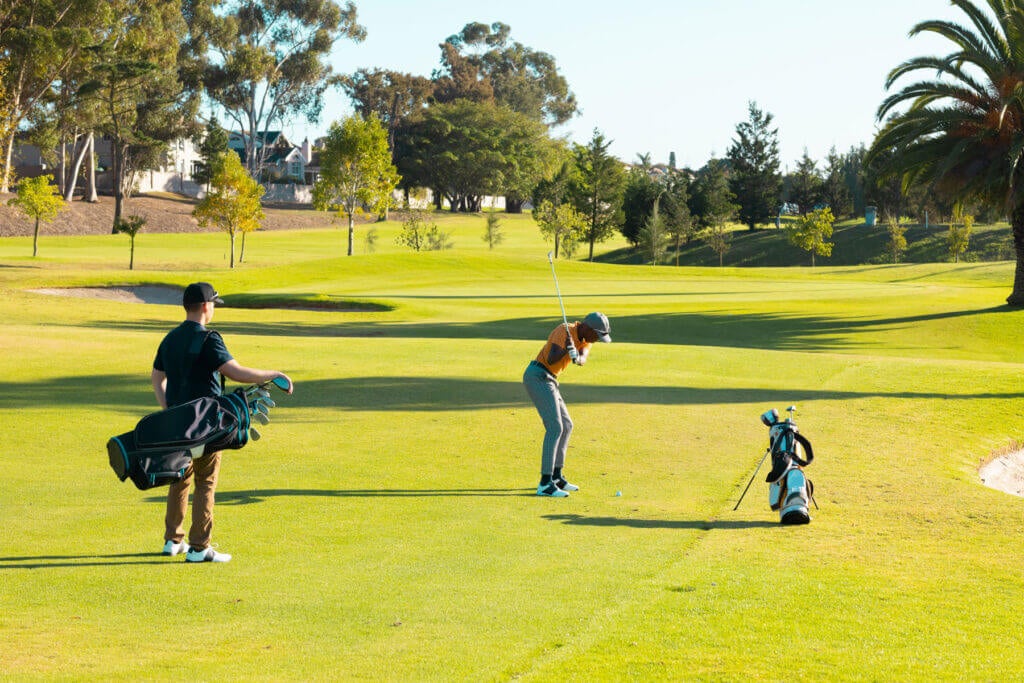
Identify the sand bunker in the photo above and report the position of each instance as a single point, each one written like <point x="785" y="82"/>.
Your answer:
<point x="130" y="295"/>
<point x="1005" y="473"/>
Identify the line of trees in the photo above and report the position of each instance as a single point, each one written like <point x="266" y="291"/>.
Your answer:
<point x="137" y="72"/>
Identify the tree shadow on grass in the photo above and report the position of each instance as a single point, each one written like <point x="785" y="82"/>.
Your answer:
<point x="777" y="331"/>
<point x="702" y="525"/>
<point x="447" y="393"/>
<point x="50" y="561"/>
<point x="428" y="394"/>
<point x="261" y="495"/>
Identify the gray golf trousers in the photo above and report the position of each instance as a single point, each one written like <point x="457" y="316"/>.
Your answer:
<point x="542" y="387"/>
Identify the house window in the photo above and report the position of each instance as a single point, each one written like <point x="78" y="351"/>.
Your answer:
<point x="295" y="169"/>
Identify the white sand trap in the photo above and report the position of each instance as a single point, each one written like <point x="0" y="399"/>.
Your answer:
<point x="129" y="295"/>
<point x="1005" y="473"/>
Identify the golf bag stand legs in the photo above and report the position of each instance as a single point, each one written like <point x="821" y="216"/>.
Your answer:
<point x="791" y="494"/>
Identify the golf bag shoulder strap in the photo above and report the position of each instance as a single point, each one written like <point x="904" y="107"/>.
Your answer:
<point x="802" y="440"/>
<point x="196" y="348"/>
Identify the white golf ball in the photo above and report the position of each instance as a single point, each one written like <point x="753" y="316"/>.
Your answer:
<point x="618" y="494"/>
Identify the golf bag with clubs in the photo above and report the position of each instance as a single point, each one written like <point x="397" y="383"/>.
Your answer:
<point x="789" y="490"/>
<point x="163" y="444"/>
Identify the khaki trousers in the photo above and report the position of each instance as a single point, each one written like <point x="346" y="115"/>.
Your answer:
<point x="204" y="472"/>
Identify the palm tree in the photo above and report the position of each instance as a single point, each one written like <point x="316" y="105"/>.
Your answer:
<point x="963" y="131"/>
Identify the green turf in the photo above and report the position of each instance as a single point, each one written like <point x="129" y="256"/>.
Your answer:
<point x="384" y="527"/>
<point x="853" y="242"/>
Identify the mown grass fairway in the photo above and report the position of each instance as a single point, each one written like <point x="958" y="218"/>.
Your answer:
<point x="384" y="528"/>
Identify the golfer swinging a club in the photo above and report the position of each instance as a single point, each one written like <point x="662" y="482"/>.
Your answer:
<point x="189" y="365"/>
<point x="567" y="343"/>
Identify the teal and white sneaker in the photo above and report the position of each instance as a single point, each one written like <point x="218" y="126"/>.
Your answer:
<point x="206" y="555"/>
<point x="551" y="491"/>
<point x="565" y="485"/>
<point x="171" y="548"/>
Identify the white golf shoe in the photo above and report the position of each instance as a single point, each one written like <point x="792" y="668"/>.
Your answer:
<point x="171" y="548"/>
<point x="565" y="485"/>
<point x="206" y="555"/>
<point x="551" y="491"/>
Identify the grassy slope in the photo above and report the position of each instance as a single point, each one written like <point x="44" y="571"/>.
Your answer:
<point x="384" y="527"/>
<point x="853" y="244"/>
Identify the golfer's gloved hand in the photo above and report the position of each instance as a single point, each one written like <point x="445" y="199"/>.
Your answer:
<point x="573" y="353"/>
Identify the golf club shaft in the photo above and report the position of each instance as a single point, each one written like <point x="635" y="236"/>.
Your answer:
<point x="766" y="452"/>
<point x="558" y="291"/>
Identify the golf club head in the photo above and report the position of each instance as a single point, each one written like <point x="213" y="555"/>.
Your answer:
<point x="253" y="434"/>
<point x="551" y="257"/>
<point x="261" y="418"/>
<point x="281" y="383"/>
<point x="260" y="408"/>
<point x="267" y="401"/>
<point x="770" y="417"/>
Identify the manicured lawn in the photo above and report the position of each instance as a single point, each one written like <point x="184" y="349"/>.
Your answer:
<point x="384" y="528"/>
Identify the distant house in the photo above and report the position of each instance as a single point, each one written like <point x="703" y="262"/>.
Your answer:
<point x="172" y="172"/>
<point x="282" y="161"/>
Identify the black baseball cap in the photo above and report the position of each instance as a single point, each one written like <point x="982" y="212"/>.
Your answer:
<point x="198" y="293"/>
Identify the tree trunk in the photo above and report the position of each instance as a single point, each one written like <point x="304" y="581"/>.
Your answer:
<point x="62" y="168"/>
<point x="1016" y="297"/>
<point x="351" y="233"/>
<point x="241" y="253"/>
<point x="131" y="254"/>
<point x="8" y="172"/>
<point x="118" y="158"/>
<point x="90" y="189"/>
<point x="72" y="181"/>
<point x="232" y="261"/>
<point x="35" y="238"/>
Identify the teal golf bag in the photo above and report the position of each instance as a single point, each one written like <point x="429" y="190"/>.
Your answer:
<point x="789" y="490"/>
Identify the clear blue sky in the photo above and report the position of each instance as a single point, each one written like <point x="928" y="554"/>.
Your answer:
<point x="676" y="75"/>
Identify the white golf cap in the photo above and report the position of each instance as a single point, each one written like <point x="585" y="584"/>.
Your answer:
<point x="598" y="322"/>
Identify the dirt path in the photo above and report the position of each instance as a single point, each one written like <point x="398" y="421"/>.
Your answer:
<point x="163" y="213"/>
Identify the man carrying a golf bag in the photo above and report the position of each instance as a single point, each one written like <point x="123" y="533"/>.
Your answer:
<point x="566" y="344"/>
<point x="191" y="363"/>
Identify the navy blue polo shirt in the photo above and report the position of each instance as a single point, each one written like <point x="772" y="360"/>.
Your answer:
<point x="190" y="355"/>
